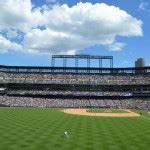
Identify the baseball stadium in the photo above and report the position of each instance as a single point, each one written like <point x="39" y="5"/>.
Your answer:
<point x="75" y="108"/>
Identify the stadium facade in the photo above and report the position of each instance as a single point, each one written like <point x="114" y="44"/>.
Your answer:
<point x="75" y="86"/>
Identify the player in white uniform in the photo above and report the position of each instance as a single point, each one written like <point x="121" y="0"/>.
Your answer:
<point x="66" y="135"/>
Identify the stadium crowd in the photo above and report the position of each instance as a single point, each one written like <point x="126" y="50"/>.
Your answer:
<point x="59" y="78"/>
<point x="74" y="93"/>
<point x="49" y="78"/>
<point x="13" y="101"/>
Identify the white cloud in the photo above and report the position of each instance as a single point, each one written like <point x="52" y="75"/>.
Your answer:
<point x="11" y="33"/>
<point x="68" y="29"/>
<point x="82" y="26"/>
<point x="52" y="41"/>
<point x="19" y="15"/>
<point x="116" y="46"/>
<point x="6" y="45"/>
<point x="101" y="18"/>
<point x="143" y="5"/>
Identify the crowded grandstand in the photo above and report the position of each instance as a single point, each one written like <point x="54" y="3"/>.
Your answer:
<point x="74" y="87"/>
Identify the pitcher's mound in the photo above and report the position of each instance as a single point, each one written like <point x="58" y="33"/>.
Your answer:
<point x="84" y="112"/>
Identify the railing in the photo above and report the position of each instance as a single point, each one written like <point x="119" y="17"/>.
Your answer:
<point x="78" y="70"/>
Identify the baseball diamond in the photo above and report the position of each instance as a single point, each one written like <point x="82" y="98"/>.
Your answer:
<point x="74" y="74"/>
<point x="74" y="108"/>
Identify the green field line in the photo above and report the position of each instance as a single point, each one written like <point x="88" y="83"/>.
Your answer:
<point x="43" y="129"/>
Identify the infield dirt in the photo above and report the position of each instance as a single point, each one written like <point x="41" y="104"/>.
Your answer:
<point x="84" y="112"/>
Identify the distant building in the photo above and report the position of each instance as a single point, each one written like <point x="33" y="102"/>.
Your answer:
<point x="140" y="62"/>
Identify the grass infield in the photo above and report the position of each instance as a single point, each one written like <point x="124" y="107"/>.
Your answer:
<point x="43" y="128"/>
<point x="103" y="110"/>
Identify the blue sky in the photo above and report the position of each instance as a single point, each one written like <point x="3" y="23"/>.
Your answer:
<point x="29" y="41"/>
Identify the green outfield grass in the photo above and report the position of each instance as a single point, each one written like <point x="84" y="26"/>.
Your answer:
<point x="103" y="110"/>
<point x="42" y="129"/>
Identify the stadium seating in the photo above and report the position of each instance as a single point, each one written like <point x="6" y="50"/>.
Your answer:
<point x="73" y="103"/>
<point x="17" y="97"/>
<point x="50" y="78"/>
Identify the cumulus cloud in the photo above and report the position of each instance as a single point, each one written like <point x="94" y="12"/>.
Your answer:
<point x="64" y="29"/>
<point x="44" y="41"/>
<point x="116" y="46"/>
<point x="19" y="15"/>
<point x="6" y="45"/>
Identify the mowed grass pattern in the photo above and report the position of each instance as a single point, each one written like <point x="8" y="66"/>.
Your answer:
<point x="42" y="129"/>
